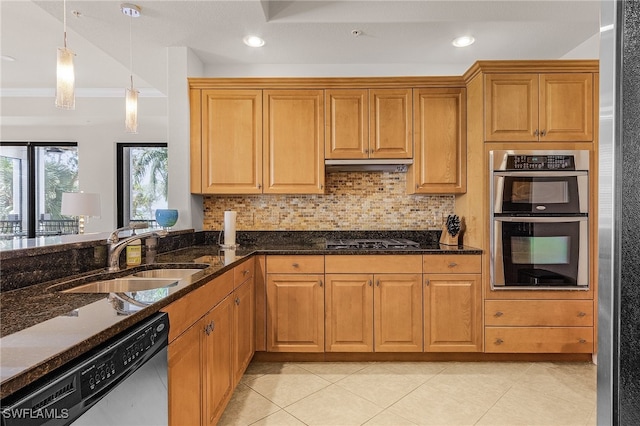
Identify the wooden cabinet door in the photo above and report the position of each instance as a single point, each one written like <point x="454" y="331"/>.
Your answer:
<point x="439" y="129"/>
<point x="295" y="313"/>
<point x="453" y="313"/>
<point x="566" y="107"/>
<point x="185" y="378"/>
<point x="231" y="141"/>
<point x="217" y="360"/>
<point x="397" y="301"/>
<point x="511" y="107"/>
<point x="349" y="313"/>
<point x="293" y="141"/>
<point x="243" y="328"/>
<point x="346" y="123"/>
<point x="390" y="123"/>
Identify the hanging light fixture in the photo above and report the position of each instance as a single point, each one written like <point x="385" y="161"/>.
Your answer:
<point x="65" y="76"/>
<point x="131" y="94"/>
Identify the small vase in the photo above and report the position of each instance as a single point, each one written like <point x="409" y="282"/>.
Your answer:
<point x="166" y="217"/>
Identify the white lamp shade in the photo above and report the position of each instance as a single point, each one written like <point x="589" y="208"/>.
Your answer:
<point x="80" y="204"/>
<point x="131" y="110"/>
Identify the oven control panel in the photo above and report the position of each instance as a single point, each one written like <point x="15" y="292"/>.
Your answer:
<point x="540" y="162"/>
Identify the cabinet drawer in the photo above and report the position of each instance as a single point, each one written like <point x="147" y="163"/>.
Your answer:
<point x="452" y="264"/>
<point x="538" y="339"/>
<point x="568" y="313"/>
<point x="295" y="264"/>
<point x="185" y="311"/>
<point x="374" y="264"/>
<point x="243" y="272"/>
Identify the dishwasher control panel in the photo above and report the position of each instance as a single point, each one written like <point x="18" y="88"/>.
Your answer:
<point x="123" y="356"/>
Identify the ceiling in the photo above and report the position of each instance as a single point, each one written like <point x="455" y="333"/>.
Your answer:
<point x="303" y="38"/>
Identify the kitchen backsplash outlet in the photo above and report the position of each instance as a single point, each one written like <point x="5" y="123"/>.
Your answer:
<point x="352" y="201"/>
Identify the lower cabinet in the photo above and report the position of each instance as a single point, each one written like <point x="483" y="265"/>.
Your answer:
<point x="295" y="304"/>
<point x="452" y="303"/>
<point x="200" y="369"/>
<point x="539" y="326"/>
<point x="452" y="313"/>
<point x="244" y="330"/>
<point x="211" y="342"/>
<point x="373" y="312"/>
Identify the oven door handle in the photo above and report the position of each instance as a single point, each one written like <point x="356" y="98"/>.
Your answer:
<point x="540" y="219"/>
<point x="541" y="173"/>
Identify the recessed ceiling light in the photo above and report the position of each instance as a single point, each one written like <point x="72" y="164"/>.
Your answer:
<point x="463" y="41"/>
<point x="253" y="41"/>
<point x="8" y="58"/>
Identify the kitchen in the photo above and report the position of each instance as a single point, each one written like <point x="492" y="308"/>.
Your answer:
<point x="177" y="109"/>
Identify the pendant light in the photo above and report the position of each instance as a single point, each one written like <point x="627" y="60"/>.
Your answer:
<point x="131" y="94"/>
<point x="65" y="76"/>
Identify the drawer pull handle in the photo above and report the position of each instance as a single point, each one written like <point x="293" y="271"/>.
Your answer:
<point x="370" y="283"/>
<point x="543" y="133"/>
<point x="499" y="341"/>
<point x="296" y="265"/>
<point x="452" y="264"/>
<point x="581" y="314"/>
<point x="238" y="301"/>
<point x="245" y="272"/>
<point x="583" y="341"/>
<point x="320" y="281"/>
<point x="498" y="314"/>
<point x="536" y="133"/>
<point x="427" y="282"/>
<point x="377" y="283"/>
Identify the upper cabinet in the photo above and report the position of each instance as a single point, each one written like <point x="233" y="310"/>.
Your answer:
<point x="257" y="141"/>
<point x="551" y="107"/>
<point x="293" y="142"/>
<point x="368" y="124"/>
<point x="440" y="162"/>
<point x="231" y="145"/>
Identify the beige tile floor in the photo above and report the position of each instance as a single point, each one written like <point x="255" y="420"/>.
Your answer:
<point x="408" y="393"/>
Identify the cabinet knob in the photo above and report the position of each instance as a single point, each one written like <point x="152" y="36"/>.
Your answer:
<point x="536" y="133"/>
<point x="427" y="282"/>
<point x="499" y="341"/>
<point x="498" y="314"/>
<point x="452" y="264"/>
<point x="259" y="186"/>
<point x="377" y="283"/>
<point x="320" y="282"/>
<point x="209" y="328"/>
<point x="582" y="341"/>
<point x="370" y="283"/>
<point x="295" y="265"/>
<point x="238" y="301"/>
<point x="581" y="314"/>
<point x="245" y="272"/>
<point x="543" y="133"/>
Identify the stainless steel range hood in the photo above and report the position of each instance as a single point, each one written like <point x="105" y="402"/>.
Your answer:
<point x="387" y="165"/>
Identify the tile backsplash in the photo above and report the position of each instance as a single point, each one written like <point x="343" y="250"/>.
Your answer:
<point x="352" y="201"/>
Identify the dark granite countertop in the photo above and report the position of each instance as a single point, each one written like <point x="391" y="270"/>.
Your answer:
<point x="43" y="329"/>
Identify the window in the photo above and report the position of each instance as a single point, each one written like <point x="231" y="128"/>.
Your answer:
<point x="33" y="176"/>
<point x="142" y="181"/>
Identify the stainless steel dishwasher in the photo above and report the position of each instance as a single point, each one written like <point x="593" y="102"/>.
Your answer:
<point x="122" y="382"/>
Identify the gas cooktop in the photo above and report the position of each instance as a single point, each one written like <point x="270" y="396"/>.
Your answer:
<point x="385" y="243"/>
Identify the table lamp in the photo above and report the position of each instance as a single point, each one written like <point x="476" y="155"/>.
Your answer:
<point x="81" y="204"/>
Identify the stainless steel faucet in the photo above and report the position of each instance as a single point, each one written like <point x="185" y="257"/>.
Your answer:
<point x="116" y="245"/>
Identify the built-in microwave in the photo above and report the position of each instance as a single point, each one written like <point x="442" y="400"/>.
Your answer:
<point x="539" y="219"/>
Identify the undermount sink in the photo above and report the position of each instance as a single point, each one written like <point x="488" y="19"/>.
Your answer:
<point x="124" y="285"/>
<point x="149" y="279"/>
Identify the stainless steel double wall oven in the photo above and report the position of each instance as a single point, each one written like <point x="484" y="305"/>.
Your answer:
<point x="539" y="219"/>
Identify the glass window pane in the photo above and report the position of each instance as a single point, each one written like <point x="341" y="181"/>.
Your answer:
<point x="13" y="191"/>
<point x="145" y="182"/>
<point x="56" y="172"/>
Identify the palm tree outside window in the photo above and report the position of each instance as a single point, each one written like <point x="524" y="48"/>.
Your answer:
<point x="142" y="180"/>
